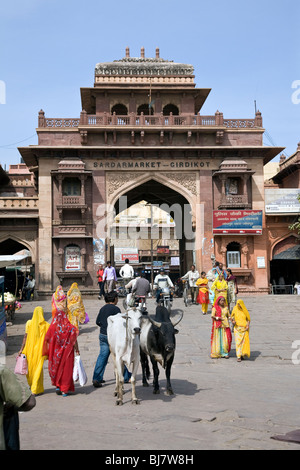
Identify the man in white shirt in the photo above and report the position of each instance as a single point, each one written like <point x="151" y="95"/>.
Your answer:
<point x="127" y="272"/>
<point x="192" y="277"/>
<point x="162" y="280"/>
<point x="29" y="287"/>
<point x="109" y="276"/>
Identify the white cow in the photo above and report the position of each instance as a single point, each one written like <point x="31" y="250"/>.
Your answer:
<point x="123" y="334"/>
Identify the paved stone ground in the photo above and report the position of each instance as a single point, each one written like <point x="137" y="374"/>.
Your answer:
<point x="218" y="404"/>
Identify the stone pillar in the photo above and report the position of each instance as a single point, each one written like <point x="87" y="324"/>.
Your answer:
<point x="204" y="236"/>
<point x="45" y="224"/>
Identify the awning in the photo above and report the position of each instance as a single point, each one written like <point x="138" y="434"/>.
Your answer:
<point x="292" y="253"/>
<point x="12" y="260"/>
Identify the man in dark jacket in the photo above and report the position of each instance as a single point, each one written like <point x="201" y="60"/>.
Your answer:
<point x="110" y="308"/>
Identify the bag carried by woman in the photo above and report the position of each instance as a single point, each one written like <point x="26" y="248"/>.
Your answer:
<point x="79" y="372"/>
<point x="21" y="365"/>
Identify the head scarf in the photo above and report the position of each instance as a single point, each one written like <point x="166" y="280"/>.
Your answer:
<point x="36" y="329"/>
<point x="58" y="301"/>
<point x="240" y="311"/>
<point x="76" y="310"/>
<point x="218" y="310"/>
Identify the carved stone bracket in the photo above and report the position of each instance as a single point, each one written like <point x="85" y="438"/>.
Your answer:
<point x="186" y="180"/>
<point x="115" y="181"/>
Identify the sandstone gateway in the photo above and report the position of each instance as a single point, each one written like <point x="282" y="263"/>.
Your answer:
<point x="141" y="136"/>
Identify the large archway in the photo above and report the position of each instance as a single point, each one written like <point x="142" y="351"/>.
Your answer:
<point x="156" y="195"/>
<point x="15" y="275"/>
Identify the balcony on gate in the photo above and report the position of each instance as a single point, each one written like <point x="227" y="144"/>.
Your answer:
<point x="156" y="120"/>
<point x="233" y="180"/>
<point x="234" y="201"/>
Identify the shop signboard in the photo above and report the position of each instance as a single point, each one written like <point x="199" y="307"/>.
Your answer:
<point x="72" y="258"/>
<point x="126" y="253"/>
<point x="242" y="222"/>
<point x="282" y="201"/>
<point x="163" y="249"/>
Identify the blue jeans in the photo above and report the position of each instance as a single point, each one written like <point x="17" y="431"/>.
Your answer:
<point x="102" y="361"/>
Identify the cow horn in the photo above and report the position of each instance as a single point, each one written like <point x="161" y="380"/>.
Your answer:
<point x="155" y="323"/>
<point x="174" y="323"/>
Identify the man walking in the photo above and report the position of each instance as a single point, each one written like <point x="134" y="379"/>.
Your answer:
<point x="110" y="277"/>
<point x="100" y="273"/>
<point x="192" y="277"/>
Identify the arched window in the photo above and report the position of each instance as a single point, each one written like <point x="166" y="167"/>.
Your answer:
<point x="170" y="108"/>
<point x="144" y="108"/>
<point x="233" y="255"/>
<point x="71" y="187"/>
<point x="119" y="109"/>
<point x="72" y="258"/>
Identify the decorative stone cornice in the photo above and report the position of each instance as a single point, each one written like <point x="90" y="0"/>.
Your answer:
<point x="143" y="66"/>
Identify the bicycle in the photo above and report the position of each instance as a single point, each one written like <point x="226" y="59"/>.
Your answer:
<point x="186" y="298"/>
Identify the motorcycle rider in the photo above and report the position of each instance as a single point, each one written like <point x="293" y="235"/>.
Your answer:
<point x="130" y="286"/>
<point x="161" y="281"/>
<point x="141" y="287"/>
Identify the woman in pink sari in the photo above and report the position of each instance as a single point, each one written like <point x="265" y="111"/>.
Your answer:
<point x="221" y="334"/>
<point x="59" y="345"/>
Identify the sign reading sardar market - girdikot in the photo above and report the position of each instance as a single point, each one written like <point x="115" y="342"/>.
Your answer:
<point x="238" y="221"/>
<point x="150" y="165"/>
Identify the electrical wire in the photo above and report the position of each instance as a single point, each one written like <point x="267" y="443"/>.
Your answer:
<point x="19" y="142"/>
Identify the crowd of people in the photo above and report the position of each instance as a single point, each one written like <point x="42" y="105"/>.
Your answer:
<point x="58" y="343"/>
<point x="229" y="314"/>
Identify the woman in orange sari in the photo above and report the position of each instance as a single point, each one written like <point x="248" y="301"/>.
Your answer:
<point x="221" y="334"/>
<point x="58" y="301"/>
<point x="203" y="294"/>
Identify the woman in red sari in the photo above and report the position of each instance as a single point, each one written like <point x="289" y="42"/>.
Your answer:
<point x="221" y="334"/>
<point x="60" y="343"/>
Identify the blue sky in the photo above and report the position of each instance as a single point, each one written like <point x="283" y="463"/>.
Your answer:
<point x="244" y="51"/>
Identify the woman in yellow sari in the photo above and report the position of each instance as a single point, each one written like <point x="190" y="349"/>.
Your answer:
<point x="203" y="294"/>
<point x="220" y="287"/>
<point x="32" y="347"/>
<point x="75" y="307"/>
<point x="241" y="320"/>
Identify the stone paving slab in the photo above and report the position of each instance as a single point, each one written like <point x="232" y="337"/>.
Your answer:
<point x="218" y="404"/>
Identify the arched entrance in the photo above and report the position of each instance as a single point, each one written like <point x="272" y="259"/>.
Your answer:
<point x="285" y="265"/>
<point x="156" y="240"/>
<point x="15" y="273"/>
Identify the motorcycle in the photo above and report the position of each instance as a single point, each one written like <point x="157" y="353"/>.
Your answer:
<point x="137" y="302"/>
<point x="166" y="299"/>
